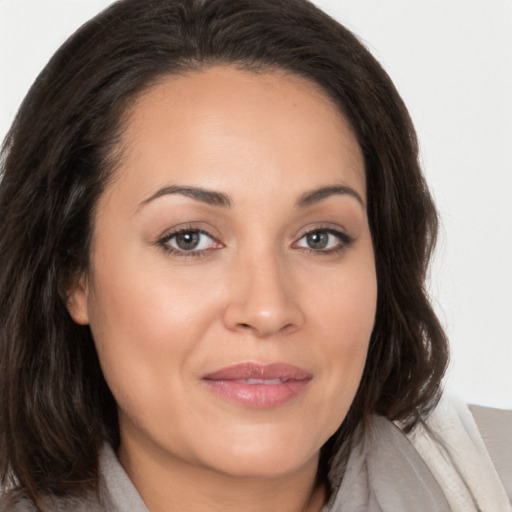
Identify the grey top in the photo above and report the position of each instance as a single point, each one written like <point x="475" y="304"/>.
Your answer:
<point x="384" y="473"/>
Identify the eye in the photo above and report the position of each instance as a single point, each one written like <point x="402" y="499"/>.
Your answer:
<point x="324" y="240"/>
<point x="192" y="241"/>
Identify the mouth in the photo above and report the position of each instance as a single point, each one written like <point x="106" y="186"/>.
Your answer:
<point x="258" y="386"/>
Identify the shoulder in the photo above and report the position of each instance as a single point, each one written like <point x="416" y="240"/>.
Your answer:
<point x="23" y="503"/>
<point x="16" y="504"/>
<point x="493" y="422"/>
<point x="462" y="449"/>
<point x="495" y="427"/>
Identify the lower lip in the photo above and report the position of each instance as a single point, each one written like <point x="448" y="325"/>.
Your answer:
<point x="260" y="396"/>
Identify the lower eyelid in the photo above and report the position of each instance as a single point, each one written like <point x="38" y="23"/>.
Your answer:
<point x="165" y="243"/>
<point x="344" y="240"/>
<point x="343" y="237"/>
<point x="201" y="234"/>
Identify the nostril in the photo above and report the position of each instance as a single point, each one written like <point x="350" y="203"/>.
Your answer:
<point x="262" y="315"/>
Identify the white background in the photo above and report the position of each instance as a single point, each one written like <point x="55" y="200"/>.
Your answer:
<point x="452" y="62"/>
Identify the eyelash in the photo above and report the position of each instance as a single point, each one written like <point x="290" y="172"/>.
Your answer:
<point x="164" y="243"/>
<point x="345" y="241"/>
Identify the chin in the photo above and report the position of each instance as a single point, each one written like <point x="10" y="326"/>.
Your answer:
<point x="261" y="468"/>
<point x="266" y="457"/>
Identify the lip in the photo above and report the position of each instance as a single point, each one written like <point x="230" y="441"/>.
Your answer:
<point x="258" y="386"/>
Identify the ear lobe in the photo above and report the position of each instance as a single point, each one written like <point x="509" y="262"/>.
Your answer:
<point x="77" y="301"/>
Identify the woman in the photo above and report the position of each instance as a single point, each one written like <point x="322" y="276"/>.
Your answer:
<point x="213" y="241"/>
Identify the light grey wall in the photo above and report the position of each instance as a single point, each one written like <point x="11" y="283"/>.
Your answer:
<point x="452" y="62"/>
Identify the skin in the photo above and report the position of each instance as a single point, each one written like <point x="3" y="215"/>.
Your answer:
<point x="254" y="290"/>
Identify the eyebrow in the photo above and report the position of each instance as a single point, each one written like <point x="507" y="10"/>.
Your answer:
<point x="215" y="198"/>
<point x="315" y="196"/>
<point x="200" y="194"/>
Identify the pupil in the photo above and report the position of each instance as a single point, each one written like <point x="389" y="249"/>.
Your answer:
<point x="188" y="240"/>
<point x="317" y="240"/>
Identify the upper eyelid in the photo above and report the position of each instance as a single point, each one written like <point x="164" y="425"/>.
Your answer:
<point x="179" y="231"/>
<point x="170" y="233"/>
<point x="164" y="242"/>
<point x="344" y="242"/>
<point x="336" y="231"/>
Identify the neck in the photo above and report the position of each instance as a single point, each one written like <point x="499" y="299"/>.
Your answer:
<point x="168" y="484"/>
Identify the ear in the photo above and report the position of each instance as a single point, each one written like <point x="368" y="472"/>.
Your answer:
<point x="78" y="301"/>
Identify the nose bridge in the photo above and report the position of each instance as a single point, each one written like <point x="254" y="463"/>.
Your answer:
<point x="262" y="298"/>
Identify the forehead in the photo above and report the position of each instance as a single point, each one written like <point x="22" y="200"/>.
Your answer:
<point x="225" y="126"/>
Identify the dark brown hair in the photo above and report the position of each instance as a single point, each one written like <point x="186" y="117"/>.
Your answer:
<point x="55" y="407"/>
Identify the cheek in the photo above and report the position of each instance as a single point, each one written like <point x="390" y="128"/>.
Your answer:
<point x="346" y="344"/>
<point x="145" y="327"/>
<point x="344" y="318"/>
<point x="344" y="306"/>
<point x="141" y="301"/>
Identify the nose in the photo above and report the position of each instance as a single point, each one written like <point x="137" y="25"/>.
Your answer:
<point x="263" y="298"/>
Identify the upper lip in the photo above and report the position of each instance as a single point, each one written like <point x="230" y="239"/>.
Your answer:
<point x="283" y="371"/>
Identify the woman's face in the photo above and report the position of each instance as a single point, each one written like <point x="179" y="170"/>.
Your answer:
<point x="232" y="288"/>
